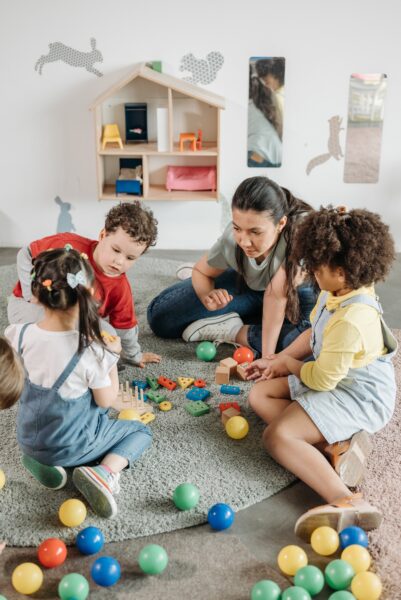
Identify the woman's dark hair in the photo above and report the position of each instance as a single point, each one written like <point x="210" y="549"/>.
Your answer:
<point x="261" y="95"/>
<point x="61" y="278"/>
<point x="357" y="241"/>
<point x="261" y="194"/>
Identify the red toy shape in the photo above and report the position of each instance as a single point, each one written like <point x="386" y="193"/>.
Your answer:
<point x="200" y="383"/>
<point x="167" y="383"/>
<point x="224" y="405"/>
<point x="243" y="354"/>
<point x="52" y="553"/>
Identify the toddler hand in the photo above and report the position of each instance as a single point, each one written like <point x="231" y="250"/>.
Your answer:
<point x="113" y="342"/>
<point x="217" y="299"/>
<point x="277" y="367"/>
<point x="255" y="370"/>
<point x="149" y="357"/>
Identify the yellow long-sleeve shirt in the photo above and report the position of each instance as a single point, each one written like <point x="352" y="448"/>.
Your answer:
<point x="352" y="338"/>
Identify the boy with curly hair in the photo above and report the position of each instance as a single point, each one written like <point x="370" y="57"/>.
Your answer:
<point x="129" y="230"/>
<point x="347" y="391"/>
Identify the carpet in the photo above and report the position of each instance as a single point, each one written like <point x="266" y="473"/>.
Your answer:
<point x="185" y="448"/>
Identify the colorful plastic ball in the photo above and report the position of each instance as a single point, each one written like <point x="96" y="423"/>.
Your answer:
<point x="220" y="516"/>
<point x="72" y="512"/>
<point x="186" y="496"/>
<point x="237" y="427"/>
<point x="353" y="535"/>
<point x="90" y="540"/>
<point x="265" y="590"/>
<point x="291" y="558"/>
<point x="52" y="553"/>
<point x="358" y="557"/>
<point x="342" y="595"/>
<point x="295" y="593"/>
<point x="106" y="571"/>
<point x="2" y="479"/>
<point x="206" y="351"/>
<point x="310" y="578"/>
<point x="324" y="540"/>
<point x="27" y="578"/>
<point x="339" y="574"/>
<point x="153" y="559"/>
<point x="366" y="586"/>
<point x="73" y="586"/>
<point x="2" y="597"/>
<point x="243" y="354"/>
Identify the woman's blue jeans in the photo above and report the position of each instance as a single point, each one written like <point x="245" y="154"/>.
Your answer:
<point x="178" y="306"/>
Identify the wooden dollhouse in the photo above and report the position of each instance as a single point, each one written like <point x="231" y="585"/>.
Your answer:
<point x="188" y="109"/>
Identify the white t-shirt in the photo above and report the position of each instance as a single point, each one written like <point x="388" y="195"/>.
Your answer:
<point x="47" y="353"/>
<point x="262" y="136"/>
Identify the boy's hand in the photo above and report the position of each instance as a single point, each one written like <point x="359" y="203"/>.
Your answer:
<point x="113" y="342"/>
<point x="217" y="299"/>
<point x="149" y="357"/>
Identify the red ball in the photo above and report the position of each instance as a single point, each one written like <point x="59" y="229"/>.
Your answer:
<point x="52" y="553"/>
<point x="243" y="354"/>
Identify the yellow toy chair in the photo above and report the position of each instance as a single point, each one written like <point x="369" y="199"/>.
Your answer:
<point x="111" y="134"/>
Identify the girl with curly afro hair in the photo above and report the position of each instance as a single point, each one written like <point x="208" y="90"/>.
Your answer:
<point x="346" y="389"/>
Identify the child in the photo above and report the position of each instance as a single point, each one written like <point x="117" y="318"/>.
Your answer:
<point x="11" y="375"/>
<point x="349" y="386"/>
<point x="71" y="381"/>
<point x="128" y="232"/>
<point x="246" y="280"/>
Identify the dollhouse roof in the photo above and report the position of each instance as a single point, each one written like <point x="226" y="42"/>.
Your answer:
<point x="165" y="80"/>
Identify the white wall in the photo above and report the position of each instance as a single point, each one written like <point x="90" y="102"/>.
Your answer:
<point x="46" y="134"/>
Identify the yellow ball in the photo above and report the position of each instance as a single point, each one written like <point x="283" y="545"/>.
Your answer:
<point x="129" y="414"/>
<point x="358" y="557"/>
<point x="2" y="479"/>
<point x="237" y="428"/>
<point x="291" y="558"/>
<point x="366" y="586"/>
<point x="325" y="541"/>
<point x="27" y="578"/>
<point x="72" y="512"/>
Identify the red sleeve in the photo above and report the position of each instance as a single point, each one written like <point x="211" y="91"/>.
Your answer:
<point x="121" y="306"/>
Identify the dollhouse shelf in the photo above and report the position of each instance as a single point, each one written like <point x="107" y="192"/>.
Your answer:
<point x="189" y="108"/>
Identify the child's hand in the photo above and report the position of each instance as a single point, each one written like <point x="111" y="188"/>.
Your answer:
<point x="277" y="367"/>
<point x="113" y="342"/>
<point x="217" y="299"/>
<point x="255" y="370"/>
<point x="149" y="357"/>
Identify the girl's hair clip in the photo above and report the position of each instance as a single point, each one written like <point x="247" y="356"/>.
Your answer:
<point x="74" y="279"/>
<point x="68" y="247"/>
<point x="47" y="283"/>
<point x="342" y="209"/>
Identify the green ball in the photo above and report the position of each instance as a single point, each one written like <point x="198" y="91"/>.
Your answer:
<point x="265" y="590"/>
<point x="310" y="578"/>
<point x="186" y="496"/>
<point x="73" y="587"/>
<point x="339" y="574"/>
<point x="343" y="595"/>
<point x="2" y="597"/>
<point x="295" y="593"/>
<point x="206" y="351"/>
<point x="153" y="559"/>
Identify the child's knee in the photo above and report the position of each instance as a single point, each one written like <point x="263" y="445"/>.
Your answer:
<point x="273" y="437"/>
<point x="257" y="395"/>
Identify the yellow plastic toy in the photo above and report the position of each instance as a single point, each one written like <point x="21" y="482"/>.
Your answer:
<point x="325" y="541"/>
<point x="129" y="414"/>
<point x="2" y="479"/>
<point x="291" y="558"/>
<point x="358" y="557"/>
<point x="27" y="578"/>
<point x="165" y="406"/>
<point x="185" y="382"/>
<point x="111" y="135"/>
<point x="237" y="427"/>
<point x="366" y="586"/>
<point x="147" y="418"/>
<point x="72" y="512"/>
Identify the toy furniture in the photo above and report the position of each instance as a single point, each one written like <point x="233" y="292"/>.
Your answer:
<point x="187" y="137"/>
<point x="111" y="135"/>
<point x="191" y="178"/>
<point x="136" y="122"/>
<point x="129" y="180"/>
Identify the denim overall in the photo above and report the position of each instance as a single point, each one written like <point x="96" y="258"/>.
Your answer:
<point x="364" y="399"/>
<point x="70" y="432"/>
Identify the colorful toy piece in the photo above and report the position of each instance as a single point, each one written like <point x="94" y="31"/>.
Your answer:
<point x="52" y="553"/>
<point x="197" y="394"/>
<point x="234" y="390"/>
<point x="147" y="418"/>
<point x="27" y="578"/>
<point x="366" y="586"/>
<point x="197" y="409"/>
<point x="200" y="383"/>
<point x="129" y="414"/>
<point x="225" y="405"/>
<point x="74" y="586"/>
<point x="243" y="354"/>
<point x="186" y="496"/>
<point x="237" y="427"/>
<point x="90" y="540"/>
<point x="106" y="571"/>
<point x="310" y="578"/>
<point x="265" y="590"/>
<point x="339" y="574"/>
<point x="228" y="414"/>
<point x="229" y="363"/>
<point x="72" y="512"/>
<point x="128" y="399"/>
<point x="324" y="540"/>
<point x="353" y="535"/>
<point x="153" y="559"/>
<point x="342" y="595"/>
<point x="295" y="593"/>
<point x="156" y="397"/>
<point x="165" y="406"/>
<point x="358" y="557"/>
<point x="188" y="137"/>
<point x="206" y="351"/>
<point x="291" y="558"/>
<point x="152" y="383"/>
<point x="141" y="385"/>
<point x="185" y="382"/>
<point x="2" y="479"/>
<point x="222" y="375"/>
<point x="111" y="135"/>
<point x="167" y="383"/>
<point x="220" y="516"/>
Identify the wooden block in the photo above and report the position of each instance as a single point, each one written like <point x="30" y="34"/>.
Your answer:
<point x="227" y="414"/>
<point x="225" y="405"/>
<point x="229" y="363"/>
<point x="241" y="371"/>
<point x="222" y="375"/>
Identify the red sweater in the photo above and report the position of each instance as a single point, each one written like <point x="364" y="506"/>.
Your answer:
<point x="114" y="293"/>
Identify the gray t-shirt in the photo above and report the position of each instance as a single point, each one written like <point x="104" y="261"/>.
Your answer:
<point x="257" y="276"/>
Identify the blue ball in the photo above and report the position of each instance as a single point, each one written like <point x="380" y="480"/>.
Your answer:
<point x="220" y="516"/>
<point x="90" y="540"/>
<point x="106" y="571"/>
<point x="353" y="535"/>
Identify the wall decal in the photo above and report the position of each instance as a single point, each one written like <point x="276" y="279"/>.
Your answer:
<point x="75" y="58"/>
<point x="333" y="145"/>
<point x="204" y="70"/>
<point x="64" y="221"/>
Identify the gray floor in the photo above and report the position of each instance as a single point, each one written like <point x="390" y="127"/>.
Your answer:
<point x="265" y="527"/>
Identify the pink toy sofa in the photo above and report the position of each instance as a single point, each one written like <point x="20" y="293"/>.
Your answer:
<point x="191" y="178"/>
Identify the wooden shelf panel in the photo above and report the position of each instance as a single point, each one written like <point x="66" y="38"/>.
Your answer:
<point x="150" y="148"/>
<point x="157" y="193"/>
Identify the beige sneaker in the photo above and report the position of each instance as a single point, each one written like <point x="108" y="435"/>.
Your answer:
<point x="349" y="457"/>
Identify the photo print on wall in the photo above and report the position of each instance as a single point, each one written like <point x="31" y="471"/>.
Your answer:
<point x="204" y="70"/>
<point x="265" y="111"/>
<point x="64" y="221"/>
<point x="75" y="58"/>
<point x="333" y="145"/>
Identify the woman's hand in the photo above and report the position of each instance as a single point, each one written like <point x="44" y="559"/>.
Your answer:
<point x="149" y="357"/>
<point x="217" y="299"/>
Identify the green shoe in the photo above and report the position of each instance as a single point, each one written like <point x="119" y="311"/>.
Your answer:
<point x="53" y="478"/>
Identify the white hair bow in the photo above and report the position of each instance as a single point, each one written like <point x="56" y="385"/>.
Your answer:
<point x="74" y="279"/>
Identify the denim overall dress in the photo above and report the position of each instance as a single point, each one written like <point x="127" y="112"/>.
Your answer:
<point x="364" y="399"/>
<point x="70" y="432"/>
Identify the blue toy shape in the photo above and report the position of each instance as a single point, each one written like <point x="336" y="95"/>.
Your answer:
<point x="141" y="385"/>
<point x="230" y="389"/>
<point x="197" y="394"/>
